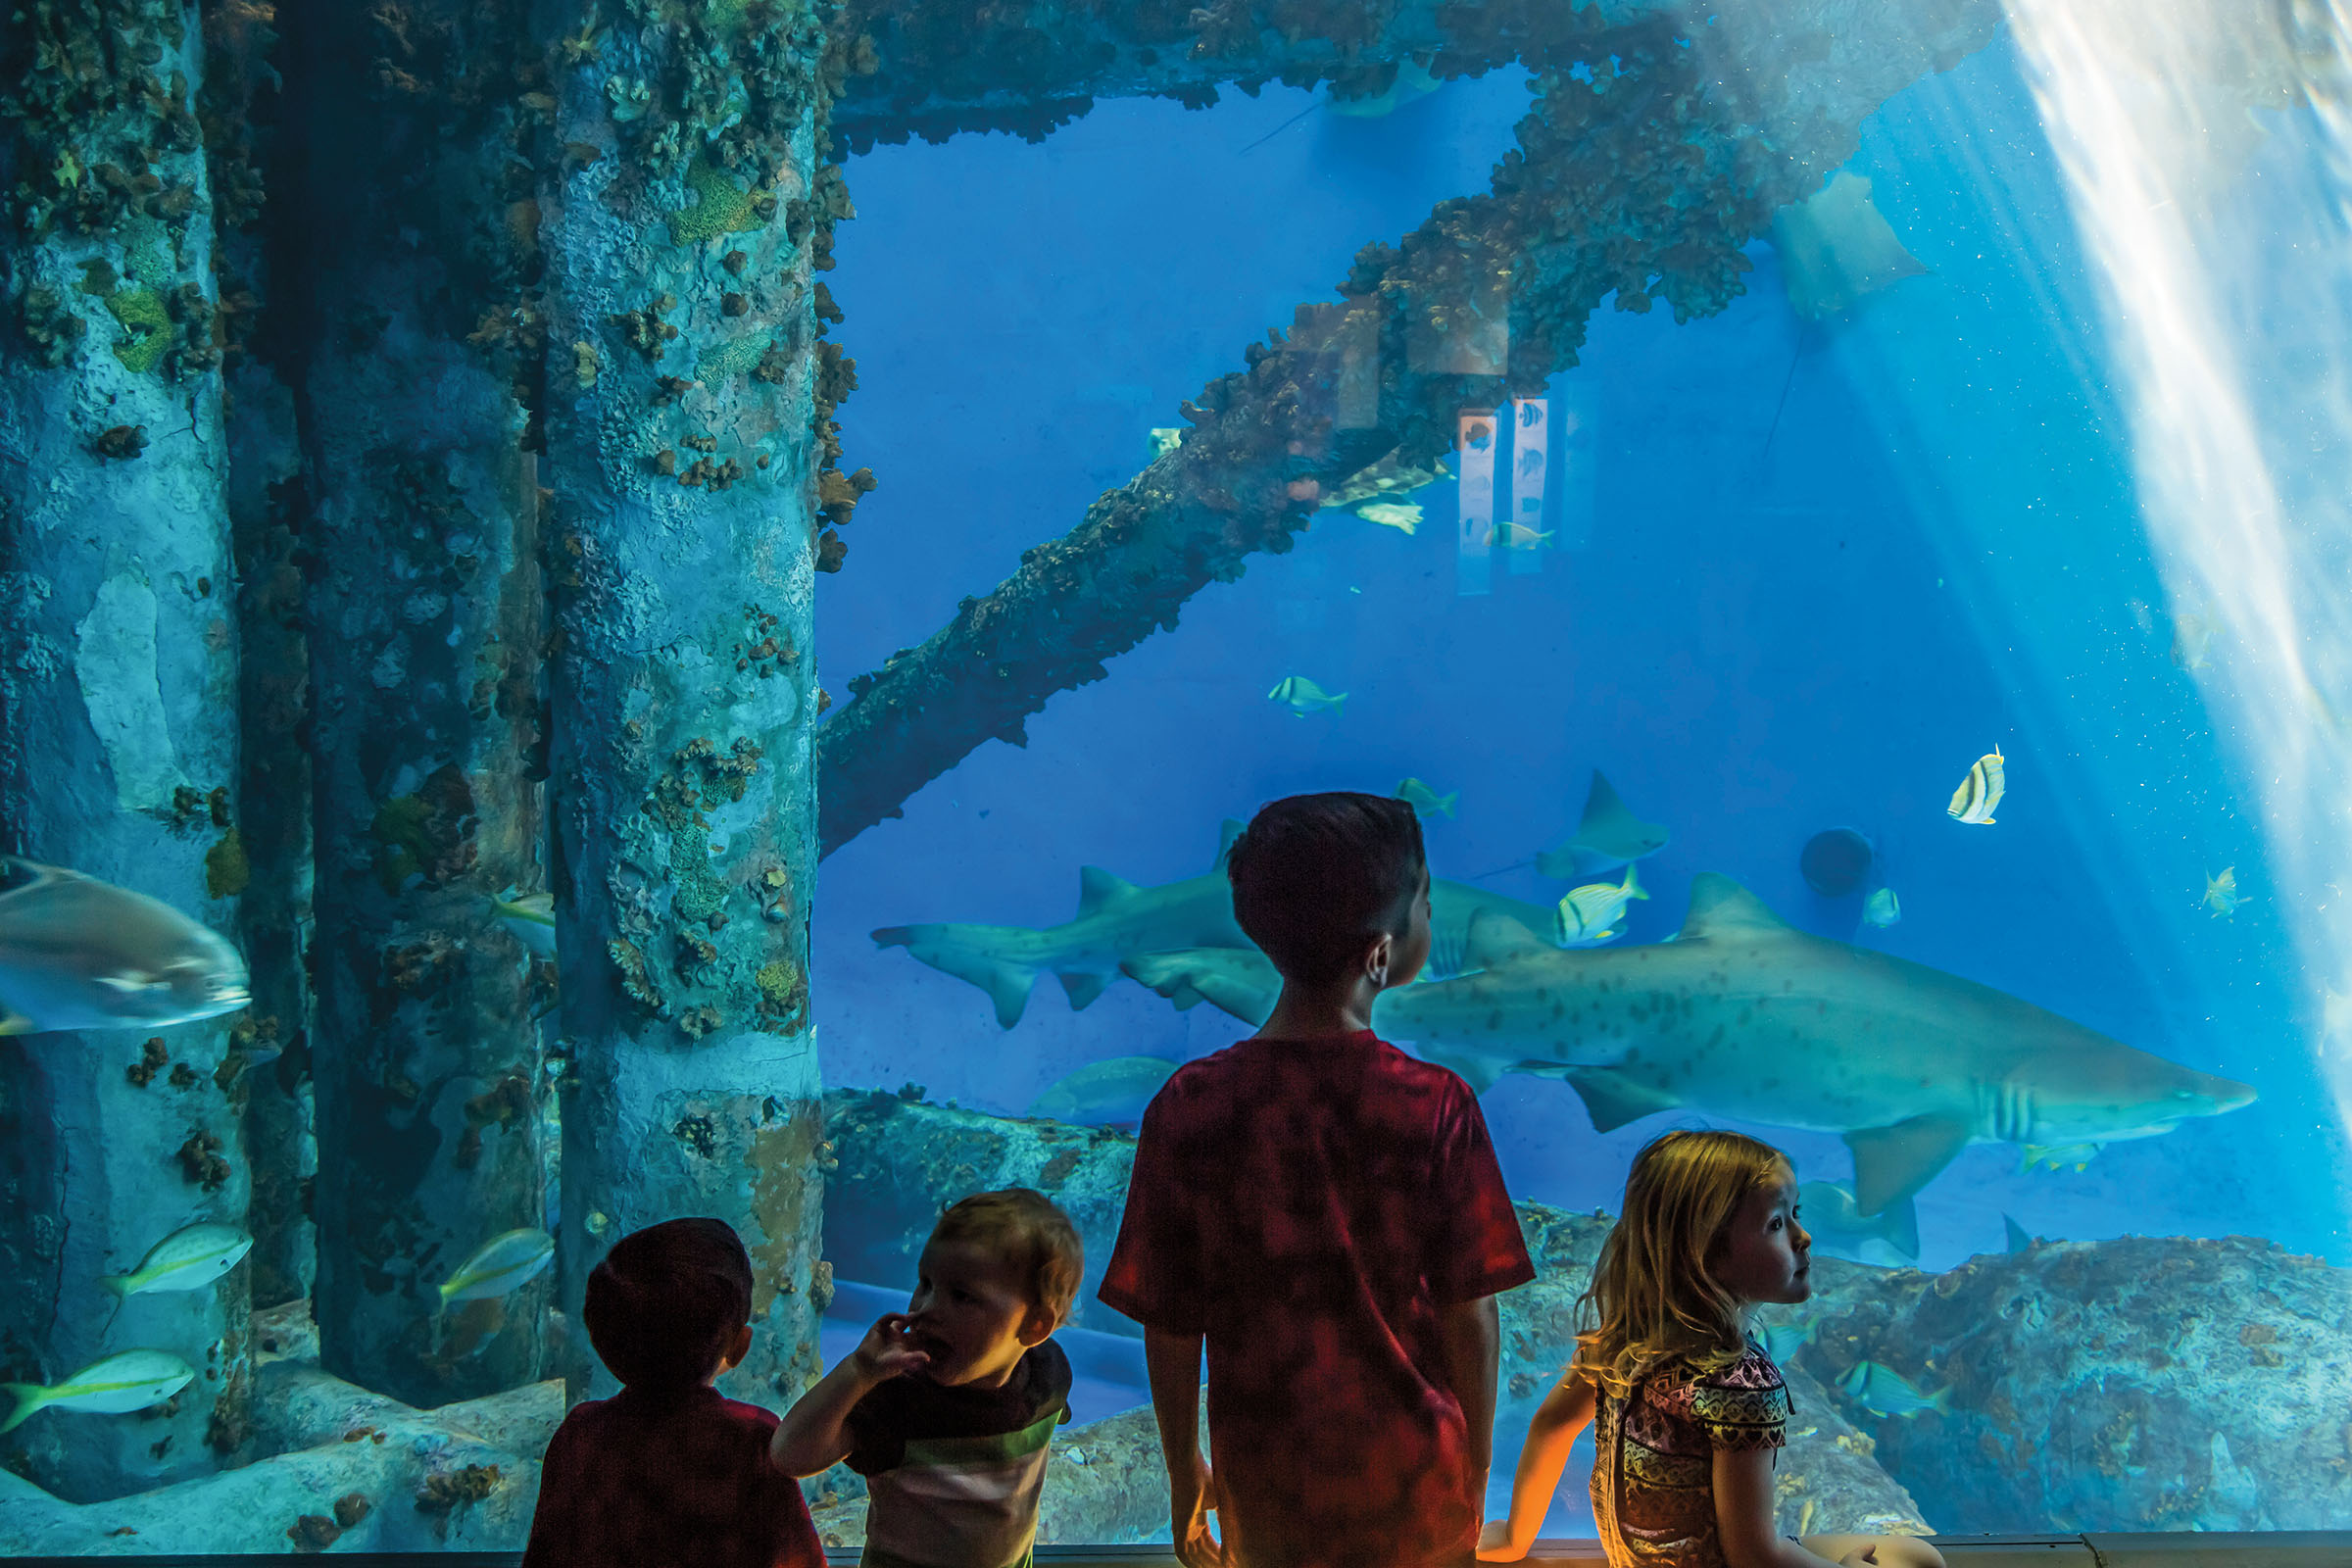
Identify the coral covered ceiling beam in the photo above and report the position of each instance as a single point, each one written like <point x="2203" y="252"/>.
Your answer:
<point x="1653" y="154"/>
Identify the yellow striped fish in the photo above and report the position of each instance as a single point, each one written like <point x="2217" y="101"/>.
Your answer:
<point x="2220" y="893"/>
<point x="1979" y="792"/>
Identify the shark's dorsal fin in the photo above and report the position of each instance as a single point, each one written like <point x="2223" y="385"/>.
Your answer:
<point x="1720" y="905"/>
<point x="1496" y="938"/>
<point x="1099" y="890"/>
<point x="1612" y="1101"/>
<point x="1225" y="837"/>
<point x="1890" y="1163"/>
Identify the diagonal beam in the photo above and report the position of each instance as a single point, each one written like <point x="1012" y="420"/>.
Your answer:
<point x="1654" y="152"/>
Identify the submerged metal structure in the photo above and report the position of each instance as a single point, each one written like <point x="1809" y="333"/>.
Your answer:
<point x="529" y="466"/>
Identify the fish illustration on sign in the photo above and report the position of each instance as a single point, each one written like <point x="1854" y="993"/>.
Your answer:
<point x="505" y="1262"/>
<point x="1304" y="697"/>
<point x="1426" y="802"/>
<point x="1883" y="908"/>
<point x="531" y="918"/>
<point x="1744" y="1017"/>
<point x="79" y="954"/>
<point x="131" y="1380"/>
<point x="1115" y="1091"/>
<point x="1982" y="791"/>
<point x="1590" y="915"/>
<point x="1835" y="247"/>
<point x="1841" y="1230"/>
<point x="1882" y="1391"/>
<point x="188" y="1260"/>
<point x="1607" y="837"/>
<point x="2222" y="897"/>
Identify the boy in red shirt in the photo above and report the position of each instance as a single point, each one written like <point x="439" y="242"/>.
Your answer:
<point x="669" y="1470"/>
<point x="1326" y="1215"/>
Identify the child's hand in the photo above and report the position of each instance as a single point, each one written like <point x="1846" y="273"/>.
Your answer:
<point x="1191" y="1499"/>
<point x="888" y="1350"/>
<point x="1494" y="1543"/>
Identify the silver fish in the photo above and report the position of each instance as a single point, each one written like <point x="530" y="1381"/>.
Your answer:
<point x="131" y="1380"/>
<point x="1883" y="908"/>
<point x="1884" y="1391"/>
<point x="504" y="1262"/>
<point x="1783" y="1339"/>
<point x="188" y="1260"/>
<point x="1304" y="697"/>
<point x="530" y="917"/>
<point x="79" y="954"/>
<point x="1104" y="1092"/>
<point x="1427" y="803"/>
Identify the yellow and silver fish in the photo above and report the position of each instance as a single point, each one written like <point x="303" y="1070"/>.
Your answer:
<point x="1426" y="802"/>
<point x="79" y="954"/>
<point x="131" y="1380"/>
<point x="502" y="1264"/>
<point x="1979" y="792"/>
<point x="2220" y="893"/>
<point x="1304" y="697"/>
<point x="188" y="1260"/>
<point x="1883" y="909"/>
<point x="2057" y="1156"/>
<point x="1885" y="1392"/>
<point x="1589" y="915"/>
<point x="530" y="917"/>
<point x="1402" y="515"/>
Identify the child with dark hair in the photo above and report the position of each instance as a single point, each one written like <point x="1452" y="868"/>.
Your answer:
<point x="1325" y="1214"/>
<point x="668" y="1470"/>
<point x="948" y="1408"/>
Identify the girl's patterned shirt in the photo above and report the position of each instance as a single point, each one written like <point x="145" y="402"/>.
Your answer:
<point x="1654" y="1471"/>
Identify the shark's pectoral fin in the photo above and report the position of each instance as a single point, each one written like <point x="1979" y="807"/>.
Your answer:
<point x="960" y="951"/>
<point x="1902" y="1228"/>
<point x="1099" y="890"/>
<point x="1479" y="1072"/>
<point x="1890" y="1163"/>
<point x="1612" y="1100"/>
<point x="1083" y="989"/>
<point x="1497" y="939"/>
<point x="1720" y="905"/>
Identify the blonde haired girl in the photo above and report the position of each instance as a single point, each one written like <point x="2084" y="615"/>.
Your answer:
<point x="1690" y="1407"/>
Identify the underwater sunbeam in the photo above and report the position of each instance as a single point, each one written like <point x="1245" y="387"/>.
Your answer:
<point x="2203" y="145"/>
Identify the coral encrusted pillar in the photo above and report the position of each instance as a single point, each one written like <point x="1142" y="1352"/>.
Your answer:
<point x="682" y="449"/>
<point x="427" y="627"/>
<point x="118" y="719"/>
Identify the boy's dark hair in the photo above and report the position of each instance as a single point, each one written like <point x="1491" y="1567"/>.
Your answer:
<point x="1024" y="1227"/>
<point x="1315" y="878"/>
<point x="665" y="1305"/>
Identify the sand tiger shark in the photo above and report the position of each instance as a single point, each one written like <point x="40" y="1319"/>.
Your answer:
<point x="1118" y="924"/>
<point x="1742" y="1016"/>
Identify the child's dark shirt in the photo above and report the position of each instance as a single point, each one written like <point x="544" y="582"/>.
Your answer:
<point x="649" y="1478"/>
<point x="1308" y="1205"/>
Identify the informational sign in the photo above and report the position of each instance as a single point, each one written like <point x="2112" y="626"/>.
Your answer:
<point x="1522" y="532"/>
<point x="1474" y="554"/>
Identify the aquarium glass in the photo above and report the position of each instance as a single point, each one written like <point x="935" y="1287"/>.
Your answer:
<point x="754" y="646"/>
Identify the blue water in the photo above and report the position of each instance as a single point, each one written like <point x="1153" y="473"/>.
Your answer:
<point x="1827" y="566"/>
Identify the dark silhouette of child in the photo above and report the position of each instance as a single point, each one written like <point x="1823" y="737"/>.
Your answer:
<point x="669" y="1470"/>
<point x="1325" y="1213"/>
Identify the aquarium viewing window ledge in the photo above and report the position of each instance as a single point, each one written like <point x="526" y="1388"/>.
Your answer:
<point x="2280" y="1549"/>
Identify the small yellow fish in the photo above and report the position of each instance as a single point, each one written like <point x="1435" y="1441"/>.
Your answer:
<point x="1883" y="908"/>
<point x="1402" y="515"/>
<point x="131" y="1380"/>
<point x="1304" y="697"/>
<point x="188" y="1259"/>
<point x="1426" y="802"/>
<point x="2057" y="1156"/>
<point x="530" y="917"/>
<point x="1589" y="914"/>
<point x="2220" y="893"/>
<point x="1979" y="792"/>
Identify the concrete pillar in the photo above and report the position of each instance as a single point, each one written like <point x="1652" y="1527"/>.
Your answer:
<point x="427" y="626"/>
<point x="117" y="724"/>
<point x="681" y="237"/>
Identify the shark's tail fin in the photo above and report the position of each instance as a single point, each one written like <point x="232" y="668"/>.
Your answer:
<point x="29" y="1398"/>
<point x="959" y="952"/>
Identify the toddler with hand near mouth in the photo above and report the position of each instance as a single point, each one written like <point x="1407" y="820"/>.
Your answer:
<point x="946" y="1408"/>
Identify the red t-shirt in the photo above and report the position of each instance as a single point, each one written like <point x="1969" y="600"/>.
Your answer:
<point x="1308" y="1205"/>
<point x="649" y="1478"/>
